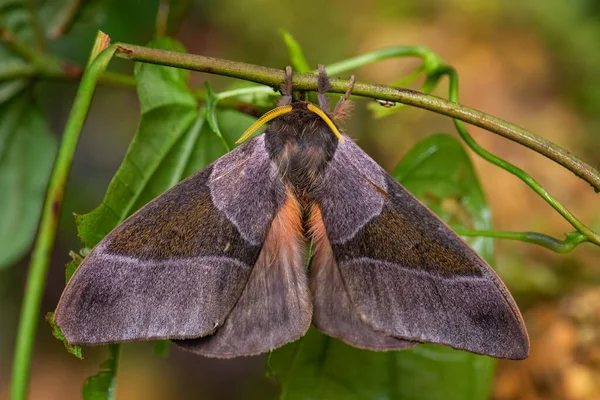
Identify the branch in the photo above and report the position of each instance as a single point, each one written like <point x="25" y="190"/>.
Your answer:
<point x="572" y="240"/>
<point x="36" y="24"/>
<point x="43" y="64"/>
<point x="274" y="77"/>
<point x="66" y="18"/>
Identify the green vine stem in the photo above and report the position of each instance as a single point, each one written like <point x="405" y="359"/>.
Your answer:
<point x="572" y="240"/>
<point x="274" y="77"/>
<point x="36" y="277"/>
<point x="65" y="20"/>
<point x="532" y="183"/>
<point x="36" y="23"/>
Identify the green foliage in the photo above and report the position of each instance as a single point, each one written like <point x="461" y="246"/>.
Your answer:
<point x="57" y="333"/>
<point x="102" y="386"/>
<point x="296" y="54"/>
<point x="26" y="153"/>
<point x="211" y="114"/>
<point x="70" y="268"/>
<point x="72" y="265"/>
<point x="437" y="170"/>
<point x="161" y="348"/>
<point x="54" y="17"/>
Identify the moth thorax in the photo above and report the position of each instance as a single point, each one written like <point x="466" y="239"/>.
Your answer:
<point x="302" y="162"/>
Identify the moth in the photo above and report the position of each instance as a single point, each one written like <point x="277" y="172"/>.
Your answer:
<point x="218" y="262"/>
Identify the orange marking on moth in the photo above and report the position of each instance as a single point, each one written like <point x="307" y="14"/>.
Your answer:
<point x="322" y="260"/>
<point x="316" y="227"/>
<point x="284" y="243"/>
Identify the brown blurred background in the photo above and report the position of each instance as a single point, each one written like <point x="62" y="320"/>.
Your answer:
<point x="534" y="63"/>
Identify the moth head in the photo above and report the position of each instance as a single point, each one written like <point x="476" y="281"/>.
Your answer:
<point x="276" y="112"/>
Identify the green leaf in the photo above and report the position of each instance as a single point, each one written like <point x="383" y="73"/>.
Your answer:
<point x="72" y="265"/>
<point x="297" y="58"/>
<point x="57" y="333"/>
<point x="102" y="385"/>
<point x="438" y="171"/>
<point x="161" y="348"/>
<point x="70" y="268"/>
<point x="211" y="114"/>
<point x="27" y="151"/>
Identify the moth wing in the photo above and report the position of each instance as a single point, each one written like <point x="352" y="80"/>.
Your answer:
<point x="177" y="267"/>
<point x="334" y="313"/>
<point x="275" y="306"/>
<point x="407" y="275"/>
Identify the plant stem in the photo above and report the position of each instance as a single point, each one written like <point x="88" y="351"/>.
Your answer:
<point x="36" y="24"/>
<point x="518" y="172"/>
<point x="66" y="19"/>
<point x="16" y="46"/>
<point x="380" y="55"/>
<point x="572" y="240"/>
<point x="162" y="18"/>
<point x="274" y="77"/>
<point x="49" y="221"/>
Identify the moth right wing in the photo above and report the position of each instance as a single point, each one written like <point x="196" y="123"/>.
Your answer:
<point x="334" y="312"/>
<point x="401" y="271"/>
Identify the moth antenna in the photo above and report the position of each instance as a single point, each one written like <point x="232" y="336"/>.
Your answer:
<point x="274" y="113"/>
<point x="343" y="106"/>
<point x="286" y="88"/>
<point x="323" y="86"/>
<point x="327" y="120"/>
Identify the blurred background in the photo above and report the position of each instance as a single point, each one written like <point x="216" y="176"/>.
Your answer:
<point x="534" y="63"/>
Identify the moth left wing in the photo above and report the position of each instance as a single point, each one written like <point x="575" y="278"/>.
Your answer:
<point x="406" y="274"/>
<point x="182" y="266"/>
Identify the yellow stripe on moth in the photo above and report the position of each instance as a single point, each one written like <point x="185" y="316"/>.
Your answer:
<point x="274" y="113"/>
<point x="327" y="120"/>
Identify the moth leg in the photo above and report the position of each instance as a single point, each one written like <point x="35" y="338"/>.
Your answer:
<point x="343" y="106"/>
<point x="286" y="88"/>
<point x="323" y="86"/>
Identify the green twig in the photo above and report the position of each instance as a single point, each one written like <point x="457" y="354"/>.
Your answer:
<point x="519" y="173"/>
<point x="66" y="18"/>
<point x="162" y="18"/>
<point x="18" y="47"/>
<point x="429" y="58"/>
<point x="571" y="241"/>
<point x="274" y="77"/>
<point x="17" y="71"/>
<point x="44" y="64"/>
<point x="36" y="24"/>
<point x="49" y="221"/>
